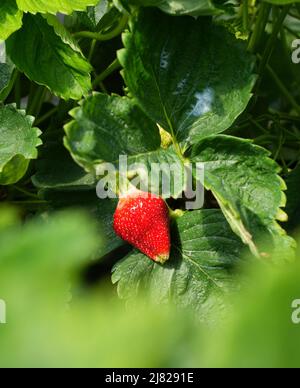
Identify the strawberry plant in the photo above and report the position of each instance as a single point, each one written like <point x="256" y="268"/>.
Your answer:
<point x="181" y="84"/>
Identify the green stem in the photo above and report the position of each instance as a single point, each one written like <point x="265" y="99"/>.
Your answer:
<point x="107" y="72"/>
<point x="285" y="116"/>
<point x="46" y="116"/>
<point x="92" y="49"/>
<point x="285" y="42"/>
<point x="35" y="100"/>
<point x="25" y="192"/>
<point x="104" y="37"/>
<point x="40" y="102"/>
<point x="18" y="90"/>
<point x="32" y="90"/>
<point x="283" y="89"/>
<point x="245" y="15"/>
<point x="260" y="26"/>
<point x="259" y="126"/>
<point x="177" y="146"/>
<point x="279" y="148"/>
<point x="272" y="40"/>
<point x="103" y="87"/>
<point x="265" y="58"/>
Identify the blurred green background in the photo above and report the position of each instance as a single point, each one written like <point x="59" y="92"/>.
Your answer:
<point x="53" y="321"/>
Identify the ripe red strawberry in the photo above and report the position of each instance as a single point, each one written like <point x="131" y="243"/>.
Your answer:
<point x="142" y="220"/>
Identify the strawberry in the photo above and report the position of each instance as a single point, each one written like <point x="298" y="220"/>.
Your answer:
<point x="142" y="220"/>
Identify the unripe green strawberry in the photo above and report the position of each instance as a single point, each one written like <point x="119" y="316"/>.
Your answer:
<point x="142" y="220"/>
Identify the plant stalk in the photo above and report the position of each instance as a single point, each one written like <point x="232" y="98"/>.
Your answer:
<point x="260" y="26"/>
<point x="104" y="37"/>
<point x="107" y="72"/>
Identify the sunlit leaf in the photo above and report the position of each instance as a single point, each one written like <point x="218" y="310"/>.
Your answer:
<point x="48" y="55"/>
<point x="18" y="143"/>
<point x="54" y="6"/>
<point x="191" y="76"/>
<point x="10" y="18"/>
<point x="245" y="181"/>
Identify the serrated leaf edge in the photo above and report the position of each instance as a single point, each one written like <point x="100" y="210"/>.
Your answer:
<point x="30" y="120"/>
<point x="61" y="10"/>
<point x="233" y="216"/>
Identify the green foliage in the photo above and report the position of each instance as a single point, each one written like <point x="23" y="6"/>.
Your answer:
<point x="97" y="18"/>
<point x="260" y="332"/>
<point x="256" y="332"/>
<point x="184" y="7"/>
<point x="55" y="249"/>
<point x="193" y="84"/>
<point x="48" y="55"/>
<point x="245" y="182"/>
<point x="201" y="270"/>
<point x="63" y="6"/>
<point x="6" y="70"/>
<point x="4" y="76"/>
<point x="19" y="142"/>
<point x="169" y="84"/>
<point x="10" y="18"/>
<point x="55" y="169"/>
<point x="106" y="127"/>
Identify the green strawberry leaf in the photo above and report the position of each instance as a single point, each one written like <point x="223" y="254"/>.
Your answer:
<point x="194" y="84"/>
<point x="14" y="170"/>
<point x="6" y="70"/>
<point x="54" y="6"/>
<point x="48" y="55"/>
<point x="10" y="18"/>
<point x="106" y="127"/>
<point x="184" y="7"/>
<point x="102" y="16"/>
<point x="246" y="184"/>
<point x="18" y="143"/>
<point x="5" y="74"/>
<point x="55" y="169"/>
<point x="200" y="272"/>
<point x="165" y="167"/>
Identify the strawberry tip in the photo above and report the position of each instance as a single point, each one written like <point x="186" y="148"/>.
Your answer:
<point x="162" y="259"/>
